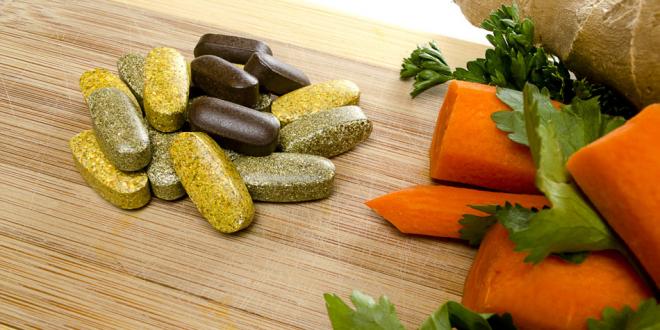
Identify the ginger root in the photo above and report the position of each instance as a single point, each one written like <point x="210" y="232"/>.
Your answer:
<point x="614" y="42"/>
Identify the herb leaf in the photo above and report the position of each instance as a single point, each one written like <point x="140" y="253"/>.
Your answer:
<point x="475" y="227"/>
<point x="571" y="224"/>
<point x="513" y="61"/>
<point x="647" y="317"/>
<point x="428" y="66"/>
<point x="516" y="60"/>
<point x="574" y="257"/>
<point x="512" y="122"/>
<point x="453" y="315"/>
<point x="367" y="313"/>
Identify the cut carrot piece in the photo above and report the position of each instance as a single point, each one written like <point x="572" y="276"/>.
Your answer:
<point x="620" y="173"/>
<point x="436" y="210"/>
<point x="468" y="148"/>
<point x="553" y="294"/>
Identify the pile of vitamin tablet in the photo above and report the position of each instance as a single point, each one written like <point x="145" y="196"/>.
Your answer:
<point x="212" y="129"/>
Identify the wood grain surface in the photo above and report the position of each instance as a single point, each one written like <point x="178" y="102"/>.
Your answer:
<point x="68" y="259"/>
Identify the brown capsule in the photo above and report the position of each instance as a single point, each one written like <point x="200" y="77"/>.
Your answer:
<point x="236" y="127"/>
<point x="195" y="92"/>
<point x="221" y="79"/>
<point x="274" y="75"/>
<point x="231" y="48"/>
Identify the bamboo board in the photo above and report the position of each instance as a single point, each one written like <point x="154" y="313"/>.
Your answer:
<point x="68" y="259"/>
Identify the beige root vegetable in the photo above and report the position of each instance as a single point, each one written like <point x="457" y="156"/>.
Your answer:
<point x="615" y="42"/>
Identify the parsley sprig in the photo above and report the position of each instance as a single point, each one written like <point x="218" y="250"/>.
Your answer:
<point x="646" y="317"/>
<point x="428" y="66"/>
<point x="571" y="225"/>
<point x="370" y="314"/>
<point x="513" y="61"/>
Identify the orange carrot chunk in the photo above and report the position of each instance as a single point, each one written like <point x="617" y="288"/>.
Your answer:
<point x="553" y="294"/>
<point x="620" y="173"/>
<point x="436" y="210"/>
<point x="468" y="148"/>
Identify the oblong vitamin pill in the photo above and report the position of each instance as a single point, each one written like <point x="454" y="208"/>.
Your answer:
<point x="231" y="154"/>
<point x="195" y="92"/>
<point x="166" y="84"/>
<point x="264" y="102"/>
<point x="326" y="133"/>
<point x="236" y="127"/>
<point x="212" y="181"/>
<point x="121" y="132"/>
<point x="221" y="79"/>
<point x="231" y="48"/>
<point x="131" y="71"/>
<point x="126" y="190"/>
<point x="274" y="75"/>
<point x="287" y="177"/>
<point x="165" y="184"/>
<point x="94" y="79"/>
<point x="313" y="98"/>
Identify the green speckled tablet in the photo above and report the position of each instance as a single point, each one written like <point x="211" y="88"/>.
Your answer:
<point x="231" y="154"/>
<point x="313" y="98"/>
<point x="127" y="190"/>
<point x="98" y="78"/>
<point x="131" y="71"/>
<point x="212" y="181"/>
<point x="165" y="184"/>
<point x="287" y="177"/>
<point x="167" y="80"/>
<point x="264" y="102"/>
<point x="120" y="131"/>
<point x="326" y="133"/>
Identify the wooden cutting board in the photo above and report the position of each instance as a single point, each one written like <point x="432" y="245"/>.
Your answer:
<point x="70" y="259"/>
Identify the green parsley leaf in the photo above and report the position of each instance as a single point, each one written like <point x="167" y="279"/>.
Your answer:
<point x="610" y="101"/>
<point x="475" y="227"/>
<point x="571" y="224"/>
<point x="453" y="315"/>
<point x="512" y="122"/>
<point x="647" y="317"/>
<point x="427" y="65"/>
<point x="513" y="217"/>
<point x="513" y="61"/>
<point x="516" y="60"/>
<point x="574" y="257"/>
<point x="610" y="123"/>
<point x="367" y="314"/>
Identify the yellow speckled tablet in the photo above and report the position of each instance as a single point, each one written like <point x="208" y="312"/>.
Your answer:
<point x="212" y="181"/>
<point x="99" y="78"/>
<point x="166" y="85"/>
<point x="126" y="190"/>
<point x="313" y="98"/>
